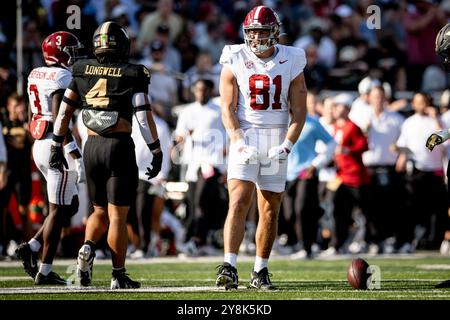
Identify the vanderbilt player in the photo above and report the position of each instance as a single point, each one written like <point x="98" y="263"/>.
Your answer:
<point x="443" y="51"/>
<point x="263" y="101"/>
<point x="45" y="88"/>
<point x="110" y="91"/>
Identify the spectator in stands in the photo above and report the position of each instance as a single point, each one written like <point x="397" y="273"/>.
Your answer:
<point x="163" y="15"/>
<point x="422" y="24"/>
<point x="326" y="46"/>
<point x="18" y="144"/>
<point x="172" y="57"/>
<point x="163" y="88"/>
<point x="203" y="69"/>
<point x="315" y="72"/>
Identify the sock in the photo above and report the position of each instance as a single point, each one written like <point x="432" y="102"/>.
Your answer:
<point x="45" y="268"/>
<point x="90" y="244"/>
<point x="231" y="258"/>
<point x="34" y="245"/>
<point x="260" y="264"/>
<point x="118" y="270"/>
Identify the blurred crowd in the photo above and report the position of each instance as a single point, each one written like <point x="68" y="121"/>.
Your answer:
<point x="378" y="93"/>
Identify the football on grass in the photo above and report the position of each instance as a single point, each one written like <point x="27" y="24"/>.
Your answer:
<point x="358" y="274"/>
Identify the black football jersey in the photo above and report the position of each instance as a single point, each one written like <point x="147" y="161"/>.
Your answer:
<point x="109" y="86"/>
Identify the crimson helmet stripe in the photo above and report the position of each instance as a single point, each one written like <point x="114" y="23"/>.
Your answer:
<point x="257" y="13"/>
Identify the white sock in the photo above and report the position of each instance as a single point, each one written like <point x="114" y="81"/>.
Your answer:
<point x="34" y="245"/>
<point x="260" y="264"/>
<point x="45" y="268"/>
<point x="230" y="258"/>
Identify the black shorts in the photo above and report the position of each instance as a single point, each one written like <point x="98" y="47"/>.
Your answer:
<point x="111" y="170"/>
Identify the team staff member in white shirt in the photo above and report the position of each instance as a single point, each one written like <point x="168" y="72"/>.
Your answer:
<point x="201" y="130"/>
<point x="425" y="175"/>
<point x="382" y="134"/>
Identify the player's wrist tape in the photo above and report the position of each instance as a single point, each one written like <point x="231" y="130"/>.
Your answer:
<point x="57" y="140"/>
<point x="154" y="145"/>
<point x="287" y="144"/>
<point x="70" y="102"/>
<point x="72" y="146"/>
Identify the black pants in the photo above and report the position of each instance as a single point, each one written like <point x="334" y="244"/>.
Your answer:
<point x="385" y="203"/>
<point x="345" y="200"/>
<point x="302" y="211"/>
<point x="426" y="197"/>
<point x="211" y="205"/>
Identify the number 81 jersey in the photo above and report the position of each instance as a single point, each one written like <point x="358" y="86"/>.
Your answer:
<point x="263" y="84"/>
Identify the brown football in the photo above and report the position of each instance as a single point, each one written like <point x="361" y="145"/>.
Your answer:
<point x="358" y="274"/>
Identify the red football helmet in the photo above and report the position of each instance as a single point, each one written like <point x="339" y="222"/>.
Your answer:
<point x="61" y="48"/>
<point x="264" y="18"/>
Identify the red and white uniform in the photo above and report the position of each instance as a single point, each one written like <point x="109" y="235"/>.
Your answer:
<point x="42" y="83"/>
<point x="262" y="108"/>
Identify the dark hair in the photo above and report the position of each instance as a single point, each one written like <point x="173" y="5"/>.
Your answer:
<point x="207" y="82"/>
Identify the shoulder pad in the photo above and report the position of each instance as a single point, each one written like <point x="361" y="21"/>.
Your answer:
<point x="230" y="50"/>
<point x="80" y="65"/>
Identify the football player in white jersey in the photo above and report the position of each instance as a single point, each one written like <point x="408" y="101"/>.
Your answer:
<point x="263" y="101"/>
<point x="46" y="86"/>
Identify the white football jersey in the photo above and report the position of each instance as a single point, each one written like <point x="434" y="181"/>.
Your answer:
<point x="42" y="82"/>
<point x="263" y="84"/>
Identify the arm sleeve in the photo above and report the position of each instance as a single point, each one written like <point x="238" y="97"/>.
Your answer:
<point x="166" y="145"/>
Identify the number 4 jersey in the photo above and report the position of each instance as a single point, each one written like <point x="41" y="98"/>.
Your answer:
<point x="263" y="84"/>
<point x="109" y="86"/>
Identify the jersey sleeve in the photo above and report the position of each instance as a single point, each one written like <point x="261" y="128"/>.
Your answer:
<point x="299" y="62"/>
<point x="142" y="79"/>
<point x="63" y="80"/>
<point x="226" y="58"/>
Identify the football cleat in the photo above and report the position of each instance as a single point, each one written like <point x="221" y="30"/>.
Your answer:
<point x="442" y="285"/>
<point x="51" y="279"/>
<point x="85" y="264"/>
<point x="227" y="276"/>
<point x="261" y="280"/>
<point x="121" y="280"/>
<point x="29" y="259"/>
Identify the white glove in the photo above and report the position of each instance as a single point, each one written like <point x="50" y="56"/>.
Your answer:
<point x="79" y="168"/>
<point x="247" y="154"/>
<point x="280" y="152"/>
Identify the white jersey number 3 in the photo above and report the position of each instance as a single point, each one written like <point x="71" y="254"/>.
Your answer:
<point x="259" y="84"/>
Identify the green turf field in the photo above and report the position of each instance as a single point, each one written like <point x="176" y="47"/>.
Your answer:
<point x="411" y="277"/>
